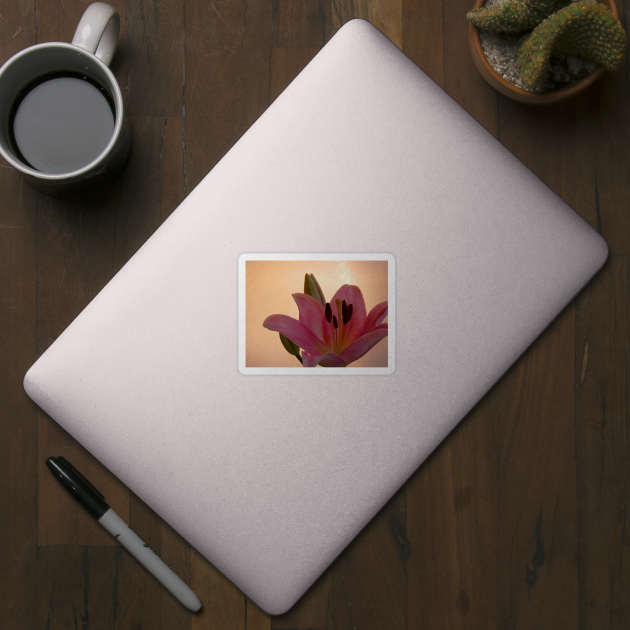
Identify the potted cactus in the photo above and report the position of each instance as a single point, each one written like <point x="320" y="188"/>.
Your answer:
<point x="558" y="49"/>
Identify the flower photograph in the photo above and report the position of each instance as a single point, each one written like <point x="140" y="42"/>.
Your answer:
<point x="309" y="314"/>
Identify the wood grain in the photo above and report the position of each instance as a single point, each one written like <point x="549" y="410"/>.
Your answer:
<point x="18" y="416"/>
<point x="300" y="23"/>
<point x="452" y="515"/>
<point x="461" y="79"/>
<point x="76" y="587"/>
<point x="422" y="36"/>
<point x="154" y="58"/>
<point x="226" y="78"/>
<point x="537" y="510"/>
<point x="602" y="380"/>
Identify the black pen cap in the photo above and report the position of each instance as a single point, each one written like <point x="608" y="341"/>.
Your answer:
<point x="78" y="486"/>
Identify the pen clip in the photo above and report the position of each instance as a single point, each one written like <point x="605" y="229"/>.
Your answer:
<point x="69" y="466"/>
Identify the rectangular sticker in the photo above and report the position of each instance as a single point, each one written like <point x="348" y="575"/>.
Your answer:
<point x="316" y="314"/>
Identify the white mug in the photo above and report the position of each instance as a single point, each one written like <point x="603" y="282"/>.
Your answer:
<point x="101" y="145"/>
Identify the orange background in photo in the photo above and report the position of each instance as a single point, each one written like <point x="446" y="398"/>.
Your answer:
<point x="269" y="285"/>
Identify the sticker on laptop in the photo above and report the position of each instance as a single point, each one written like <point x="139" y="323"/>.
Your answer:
<point x="316" y="314"/>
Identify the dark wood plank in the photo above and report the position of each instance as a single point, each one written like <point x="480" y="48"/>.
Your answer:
<point x="452" y="527"/>
<point x="17" y="28"/>
<point x="76" y="587"/>
<point x="300" y="23"/>
<point x="608" y="136"/>
<point x="57" y="23"/>
<point x="154" y="57"/>
<point x="461" y="78"/>
<point x="603" y="442"/>
<point x="369" y="577"/>
<point x="386" y="15"/>
<point x="18" y="423"/>
<point x="422" y="36"/>
<point x="226" y="78"/>
<point x="18" y="416"/>
<point x="537" y="537"/>
<point x="570" y="146"/>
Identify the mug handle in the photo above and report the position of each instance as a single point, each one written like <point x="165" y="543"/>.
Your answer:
<point x="98" y="30"/>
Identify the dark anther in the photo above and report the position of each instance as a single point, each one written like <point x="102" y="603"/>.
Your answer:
<point x="335" y="322"/>
<point x="349" y="313"/>
<point x="344" y="311"/>
<point x="328" y="312"/>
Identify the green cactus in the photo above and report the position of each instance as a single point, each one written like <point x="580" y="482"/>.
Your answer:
<point x="513" y="16"/>
<point x="584" y="29"/>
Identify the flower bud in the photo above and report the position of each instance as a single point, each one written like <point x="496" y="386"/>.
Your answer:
<point x="290" y="347"/>
<point x="312" y="288"/>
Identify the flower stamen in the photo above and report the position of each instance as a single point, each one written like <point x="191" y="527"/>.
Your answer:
<point x="346" y="314"/>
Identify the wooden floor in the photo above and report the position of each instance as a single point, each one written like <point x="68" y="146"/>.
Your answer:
<point x="518" y="520"/>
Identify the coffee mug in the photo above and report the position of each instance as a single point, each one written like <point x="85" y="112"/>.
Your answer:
<point x="62" y="114"/>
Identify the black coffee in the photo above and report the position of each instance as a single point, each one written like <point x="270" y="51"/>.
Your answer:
<point x="61" y="123"/>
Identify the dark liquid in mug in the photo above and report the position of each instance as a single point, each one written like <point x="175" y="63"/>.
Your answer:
<point x="62" y="122"/>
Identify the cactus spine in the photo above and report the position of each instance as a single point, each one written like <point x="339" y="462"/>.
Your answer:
<point x="583" y="29"/>
<point x="513" y="16"/>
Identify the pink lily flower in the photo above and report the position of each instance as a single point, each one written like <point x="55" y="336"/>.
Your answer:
<point x="334" y="335"/>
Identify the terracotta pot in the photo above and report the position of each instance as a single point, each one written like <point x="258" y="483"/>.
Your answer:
<point x="518" y="94"/>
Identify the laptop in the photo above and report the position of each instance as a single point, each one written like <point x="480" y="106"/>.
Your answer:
<point x="316" y="316"/>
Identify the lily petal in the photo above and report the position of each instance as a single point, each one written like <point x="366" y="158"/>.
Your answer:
<point x="297" y="332"/>
<point x="362" y="345"/>
<point x="313" y="316"/>
<point x="331" y="359"/>
<point x="310" y="360"/>
<point x="375" y="317"/>
<point x="352" y="295"/>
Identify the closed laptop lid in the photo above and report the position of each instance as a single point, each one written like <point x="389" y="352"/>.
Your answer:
<point x="368" y="175"/>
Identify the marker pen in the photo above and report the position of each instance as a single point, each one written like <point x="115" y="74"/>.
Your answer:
<point x="94" y="502"/>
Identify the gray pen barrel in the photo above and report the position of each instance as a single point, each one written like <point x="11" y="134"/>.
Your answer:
<point x="149" y="559"/>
